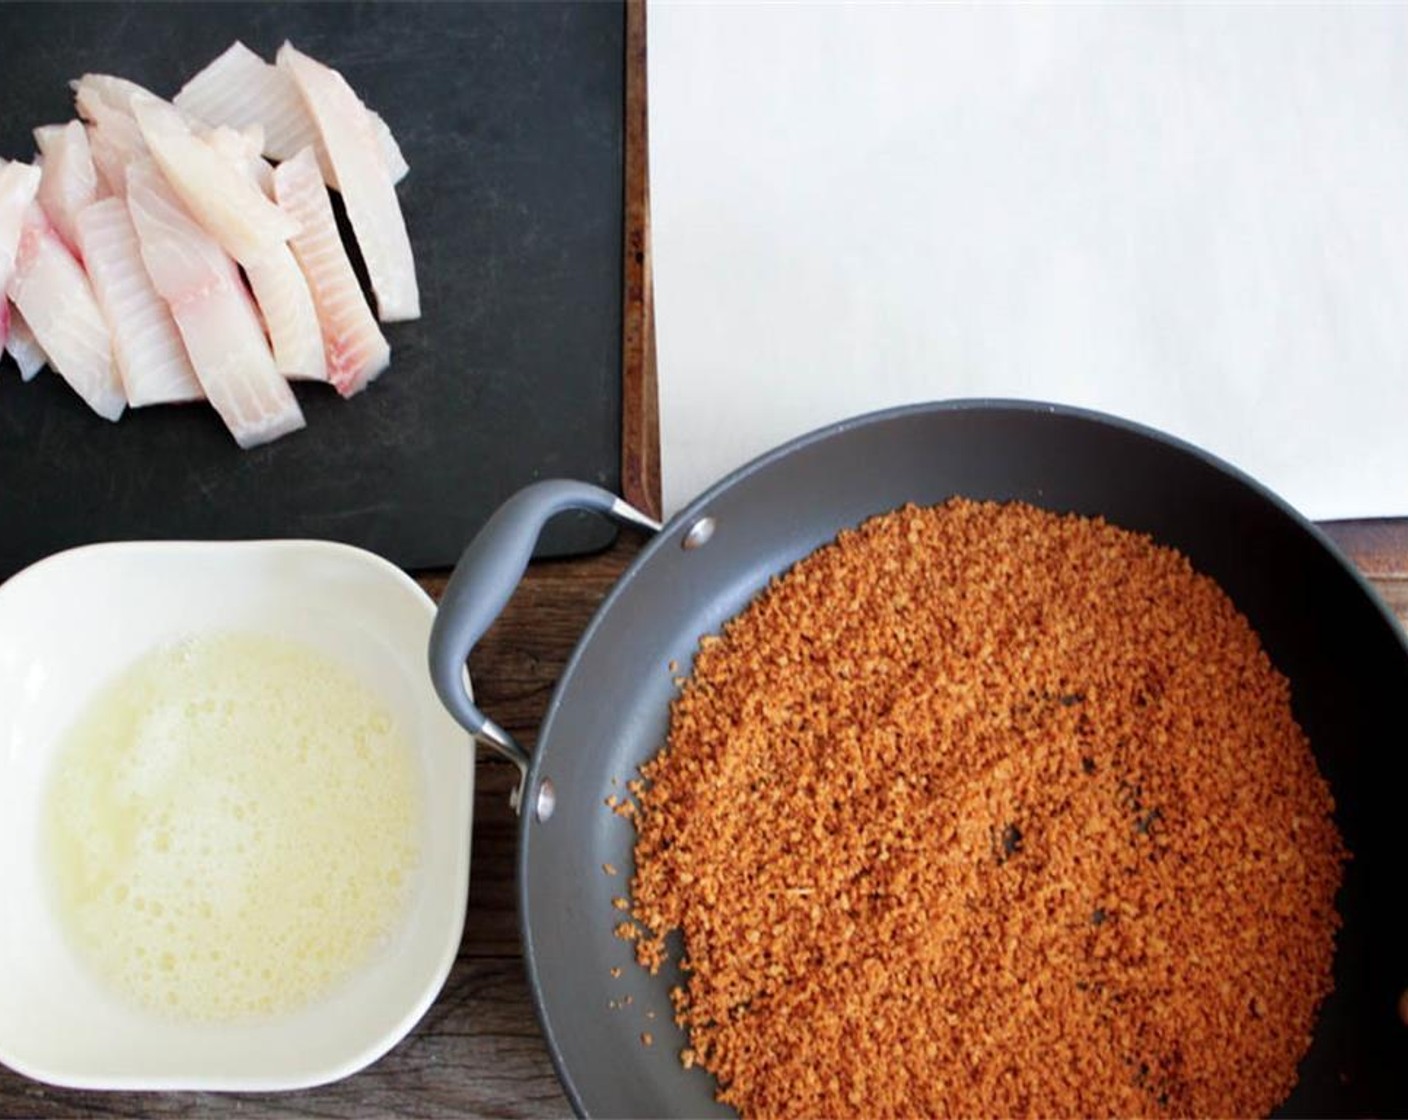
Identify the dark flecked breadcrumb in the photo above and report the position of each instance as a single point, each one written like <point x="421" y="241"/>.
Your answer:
<point x="986" y="811"/>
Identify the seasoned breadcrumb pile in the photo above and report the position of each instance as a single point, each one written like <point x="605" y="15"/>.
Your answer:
<point x="984" y="811"/>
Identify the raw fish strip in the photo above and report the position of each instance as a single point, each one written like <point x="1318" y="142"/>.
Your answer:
<point x="108" y="88"/>
<point x="231" y="208"/>
<point x="51" y="291"/>
<point x="23" y="346"/>
<point x="218" y="324"/>
<point x="46" y="134"/>
<point x="356" y="349"/>
<point x="365" y="183"/>
<point x="390" y="150"/>
<point x="114" y="139"/>
<point x="279" y="287"/>
<point x="19" y="183"/>
<point x="96" y="92"/>
<point x="69" y="183"/>
<point x="242" y="149"/>
<point x="280" y="290"/>
<point x="240" y="88"/>
<point x="105" y="99"/>
<point x="151" y="358"/>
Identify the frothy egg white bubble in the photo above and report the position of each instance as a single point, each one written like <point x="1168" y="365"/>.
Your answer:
<point x="232" y="827"/>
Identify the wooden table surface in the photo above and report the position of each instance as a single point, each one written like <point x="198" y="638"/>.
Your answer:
<point x="478" y="1051"/>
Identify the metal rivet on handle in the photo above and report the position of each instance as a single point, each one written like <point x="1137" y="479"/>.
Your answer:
<point x="699" y="533"/>
<point x="547" y="799"/>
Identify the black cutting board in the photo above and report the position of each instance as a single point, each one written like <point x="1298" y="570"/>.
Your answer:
<point x="512" y="119"/>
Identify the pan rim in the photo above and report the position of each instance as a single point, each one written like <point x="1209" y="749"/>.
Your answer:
<point x="687" y="515"/>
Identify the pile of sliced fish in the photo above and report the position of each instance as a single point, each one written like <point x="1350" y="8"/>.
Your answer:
<point x="152" y="253"/>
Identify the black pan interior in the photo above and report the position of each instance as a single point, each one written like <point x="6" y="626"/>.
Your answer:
<point x="1345" y="656"/>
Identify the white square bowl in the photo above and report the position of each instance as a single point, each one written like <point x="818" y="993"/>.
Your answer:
<point x="71" y="623"/>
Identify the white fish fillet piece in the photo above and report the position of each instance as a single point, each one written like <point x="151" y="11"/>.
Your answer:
<point x="243" y="150"/>
<point x="282" y="293"/>
<point x="19" y="185"/>
<point x="231" y="208"/>
<point x="279" y="287"/>
<point x="365" y="183"/>
<point x="69" y="183"/>
<point x="356" y="349"/>
<point x="240" y="88"/>
<point x="113" y="138"/>
<point x="151" y="358"/>
<point x="217" y="322"/>
<point x="51" y="290"/>
<point x="105" y="101"/>
<point x="46" y="134"/>
<point x="108" y="88"/>
<point x="390" y="150"/>
<point x="280" y="290"/>
<point x="21" y="345"/>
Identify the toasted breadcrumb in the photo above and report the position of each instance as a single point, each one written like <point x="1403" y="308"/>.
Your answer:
<point x="985" y="811"/>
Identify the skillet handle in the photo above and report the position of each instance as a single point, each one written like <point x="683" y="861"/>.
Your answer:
<point x="485" y="579"/>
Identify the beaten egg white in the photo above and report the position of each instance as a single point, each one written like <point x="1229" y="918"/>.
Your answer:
<point x="231" y="828"/>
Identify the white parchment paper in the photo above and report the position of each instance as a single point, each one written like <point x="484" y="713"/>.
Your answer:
<point x="1194" y="216"/>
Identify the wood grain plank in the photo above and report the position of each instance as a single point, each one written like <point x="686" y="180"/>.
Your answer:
<point x="1393" y="590"/>
<point x="491" y="920"/>
<point x="1377" y="548"/>
<point x="640" y="412"/>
